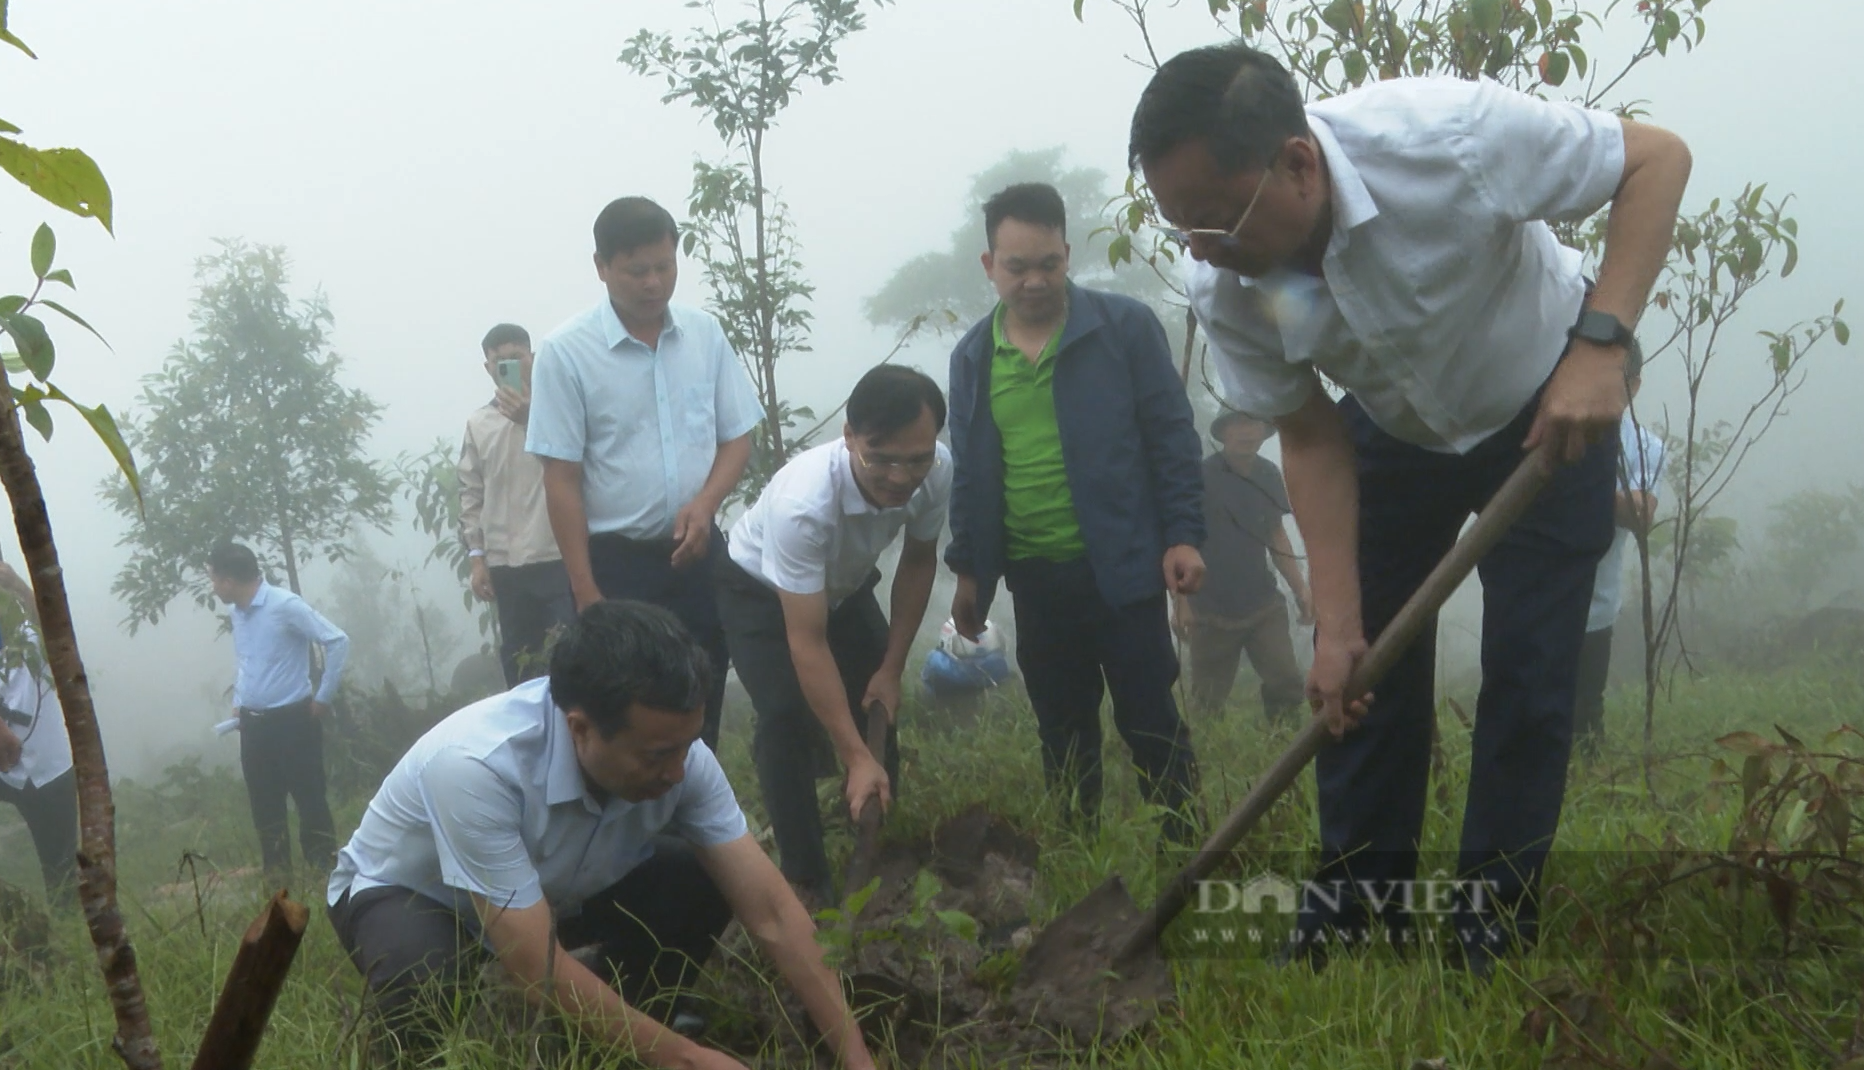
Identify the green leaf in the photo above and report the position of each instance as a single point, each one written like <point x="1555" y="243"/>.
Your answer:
<point x="104" y="425"/>
<point x="963" y="925"/>
<point x="8" y="128"/>
<point x="1486" y="15"/>
<point x="1579" y="58"/>
<point x="1354" y="63"/>
<point x="73" y="317"/>
<point x="1842" y="332"/>
<point x="61" y="275"/>
<point x="38" y="417"/>
<point x="65" y="177"/>
<point x="44" y="246"/>
<point x="1553" y="67"/>
<point x="13" y="303"/>
<point x="35" y="346"/>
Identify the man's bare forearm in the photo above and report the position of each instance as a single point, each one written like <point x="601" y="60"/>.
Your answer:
<point x="1323" y="489"/>
<point x="821" y="684"/>
<point x="569" y="522"/>
<point x="912" y="593"/>
<point x="788" y="935"/>
<point x="1642" y="223"/>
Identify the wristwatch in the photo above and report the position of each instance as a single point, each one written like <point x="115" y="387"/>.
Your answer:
<point x="1601" y="329"/>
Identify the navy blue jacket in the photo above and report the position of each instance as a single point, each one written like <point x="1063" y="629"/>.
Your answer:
<point x="1128" y="444"/>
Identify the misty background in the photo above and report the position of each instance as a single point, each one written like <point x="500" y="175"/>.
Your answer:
<point x="434" y="169"/>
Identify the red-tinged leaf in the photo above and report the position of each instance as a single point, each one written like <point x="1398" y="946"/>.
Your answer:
<point x="1745" y="743"/>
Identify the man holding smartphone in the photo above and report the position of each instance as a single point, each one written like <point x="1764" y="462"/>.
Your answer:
<point x="503" y="522"/>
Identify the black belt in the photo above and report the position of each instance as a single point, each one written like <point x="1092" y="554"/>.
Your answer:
<point x="615" y="540"/>
<point x="251" y="711"/>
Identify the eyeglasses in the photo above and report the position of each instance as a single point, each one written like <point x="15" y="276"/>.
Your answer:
<point x="918" y="467"/>
<point x="1222" y="239"/>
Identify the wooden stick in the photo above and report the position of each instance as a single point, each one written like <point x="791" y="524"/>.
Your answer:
<point x="1491" y="524"/>
<point x="258" y="973"/>
<point x="867" y="829"/>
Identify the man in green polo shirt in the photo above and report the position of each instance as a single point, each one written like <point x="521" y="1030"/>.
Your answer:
<point x="1076" y="481"/>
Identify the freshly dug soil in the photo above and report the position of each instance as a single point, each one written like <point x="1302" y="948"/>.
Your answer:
<point x="926" y="991"/>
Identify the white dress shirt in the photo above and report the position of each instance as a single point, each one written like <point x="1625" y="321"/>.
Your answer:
<point x="645" y="424"/>
<point x="1445" y="299"/>
<point x="813" y="530"/>
<point x="492" y="802"/>
<point x="1640" y="467"/>
<point x="45" y="749"/>
<point x="271" y="642"/>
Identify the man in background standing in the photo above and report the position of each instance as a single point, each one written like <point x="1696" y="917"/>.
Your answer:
<point x="503" y="521"/>
<point x="35" y="754"/>
<point x="643" y="416"/>
<point x="1238" y="608"/>
<point x="281" y="734"/>
<point x="1076" y="482"/>
<point x="1640" y="467"/>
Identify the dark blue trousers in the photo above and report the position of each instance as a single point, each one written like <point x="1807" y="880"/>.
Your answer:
<point x="1073" y="648"/>
<point x="1536" y="588"/>
<point x="642" y="570"/>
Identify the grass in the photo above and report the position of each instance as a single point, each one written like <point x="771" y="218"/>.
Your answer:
<point x="1716" y="994"/>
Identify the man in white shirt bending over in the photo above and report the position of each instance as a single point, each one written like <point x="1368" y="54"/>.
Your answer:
<point x="577" y="810"/>
<point x="1396" y="239"/>
<point x="807" y="635"/>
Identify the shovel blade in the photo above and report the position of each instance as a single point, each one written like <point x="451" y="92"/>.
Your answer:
<point x="1069" y="981"/>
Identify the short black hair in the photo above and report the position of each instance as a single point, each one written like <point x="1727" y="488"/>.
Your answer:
<point x="505" y="334"/>
<point x="890" y="397"/>
<point x="1036" y="203"/>
<point x="620" y="653"/>
<point x="1240" y="102"/>
<point x="628" y="223"/>
<point x="1229" y="416"/>
<point x="234" y="561"/>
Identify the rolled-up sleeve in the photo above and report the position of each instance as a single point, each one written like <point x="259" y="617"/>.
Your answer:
<point x="1541" y="159"/>
<point x="708" y="812"/>
<point x="1253" y="370"/>
<point x="557" y="424"/>
<point x="476" y="817"/>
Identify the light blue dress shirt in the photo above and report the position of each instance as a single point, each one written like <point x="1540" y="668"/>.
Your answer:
<point x="492" y="802"/>
<point x="1640" y="467"/>
<point x="645" y="424"/>
<point x="271" y="642"/>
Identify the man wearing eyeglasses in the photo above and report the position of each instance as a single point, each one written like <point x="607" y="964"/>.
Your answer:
<point x="1078" y="484"/>
<point x="1396" y="240"/>
<point x="807" y="635"/>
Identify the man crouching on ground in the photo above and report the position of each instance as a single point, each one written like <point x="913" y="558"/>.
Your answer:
<point x="573" y="810"/>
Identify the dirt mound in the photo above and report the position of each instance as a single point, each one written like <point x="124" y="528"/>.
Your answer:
<point x="930" y="953"/>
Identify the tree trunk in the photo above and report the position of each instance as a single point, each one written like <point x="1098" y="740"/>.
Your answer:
<point x="135" y="1039"/>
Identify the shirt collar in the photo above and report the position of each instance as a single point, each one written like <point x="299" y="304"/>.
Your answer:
<point x="563" y="778"/>
<point x="1083" y="318"/>
<point x="260" y="596"/>
<point x="853" y="502"/>
<point x="616" y="335"/>
<point x="1352" y="203"/>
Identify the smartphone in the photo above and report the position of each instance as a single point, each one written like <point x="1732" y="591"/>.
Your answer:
<point x="511" y="374"/>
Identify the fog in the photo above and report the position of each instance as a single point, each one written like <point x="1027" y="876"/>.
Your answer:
<point x="435" y="168"/>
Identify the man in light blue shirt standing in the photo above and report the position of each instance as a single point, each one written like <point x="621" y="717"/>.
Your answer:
<point x="643" y="416"/>
<point x="570" y="812"/>
<point x="1640" y="468"/>
<point x="281" y="734"/>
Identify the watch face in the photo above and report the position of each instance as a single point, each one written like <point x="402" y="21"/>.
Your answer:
<point x="1601" y="328"/>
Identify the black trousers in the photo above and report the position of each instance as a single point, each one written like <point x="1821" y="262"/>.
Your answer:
<point x="642" y="570"/>
<point x="1595" y="666"/>
<point x="281" y="754"/>
<point x="1536" y="591"/>
<point x="790" y="746"/>
<point x="50" y="811"/>
<point x="1073" y="648"/>
<point x="655" y="928"/>
<point x="531" y="600"/>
